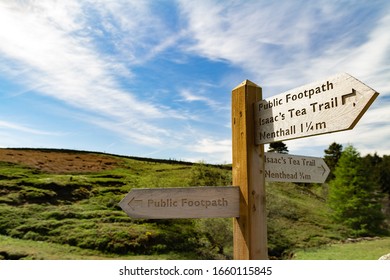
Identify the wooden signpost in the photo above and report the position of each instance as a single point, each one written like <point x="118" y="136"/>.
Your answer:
<point x="249" y="232"/>
<point x="218" y="202"/>
<point x="290" y="168"/>
<point x="173" y="203"/>
<point x="334" y="104"/>
<point x="331" y="105"/>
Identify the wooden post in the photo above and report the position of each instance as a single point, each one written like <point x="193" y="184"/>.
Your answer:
<point x="250" y="229"/>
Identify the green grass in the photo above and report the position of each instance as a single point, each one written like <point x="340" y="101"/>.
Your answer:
<point x="298" y="218"/>
<point x="363" y="250"/>
<point x="76" y="216"/>
<point x="81" y="210"/>
<point x="18" y="249"/>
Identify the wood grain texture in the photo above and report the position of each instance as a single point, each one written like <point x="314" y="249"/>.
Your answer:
<point x="334" y="104"/>
<point x="249" y="230"/>
<point x="171" y="203"/>
<point x="293" y="168"/>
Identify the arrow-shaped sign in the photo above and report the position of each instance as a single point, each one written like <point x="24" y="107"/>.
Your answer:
<point x="218" y="202"/>
<point x="292" y="168"/>
<point x="170" y="203"/>
<point x="334" y="104"/>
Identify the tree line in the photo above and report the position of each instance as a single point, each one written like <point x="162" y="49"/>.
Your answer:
<point x="358" y="188"/>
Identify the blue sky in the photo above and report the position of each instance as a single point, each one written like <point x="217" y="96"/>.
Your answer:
<point x="154" y="78"/>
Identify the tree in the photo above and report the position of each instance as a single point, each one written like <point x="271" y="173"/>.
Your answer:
<point x="384" y="174"/>
<point x="373" y="165"/>
<point x="353" y="198"/>
<point x="332" y="156"/>
<point x="278" y="147"/>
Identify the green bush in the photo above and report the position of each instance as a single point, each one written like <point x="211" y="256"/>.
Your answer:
<point x="37" y="194"/>
<point x="203" y="175"/>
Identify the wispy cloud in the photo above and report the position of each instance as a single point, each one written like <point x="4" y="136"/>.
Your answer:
<point x="288" y="45"/>
<point x="159" y="73"/>
<point x="26" y="129"/>
<point x="188" y="96"/>
<point x="50" y="45"/>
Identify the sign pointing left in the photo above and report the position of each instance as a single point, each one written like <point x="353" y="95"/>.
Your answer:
<point x="171" y="203"/>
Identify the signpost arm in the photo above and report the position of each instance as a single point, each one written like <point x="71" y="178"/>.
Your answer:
<point x="249" y="230"/>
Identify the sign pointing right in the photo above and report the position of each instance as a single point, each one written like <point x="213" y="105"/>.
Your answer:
<point x="334" y="104"/>
<point x="292" y="168"/>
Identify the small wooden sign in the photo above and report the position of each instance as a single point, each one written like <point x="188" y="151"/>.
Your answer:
<point x="171" y="203"/>
<point x="292" y="168"/>
<point x="334" y="104"/>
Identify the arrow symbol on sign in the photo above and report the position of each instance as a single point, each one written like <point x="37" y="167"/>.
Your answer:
<point x="323" y="169"/>
<point x="345" y="96"/>
<point x="171" y="203"/>
<point x="353" y="96"/>
<point x="282" y="168"/>
<point x="134" y="203"/>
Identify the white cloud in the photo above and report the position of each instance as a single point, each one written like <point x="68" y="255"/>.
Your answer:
<point x="50" y="46"/>
<point x="289" y="45"/>
<point x="81" y="52"/>
<point x="188" y="96"/>
<point x="285" y="46"/>
<point x="5" y="125"/>
<point x="136" y="29"/>
<point x="250" y="34"/>
<point x="210" y="146"/>
<point x="215" y="150"/>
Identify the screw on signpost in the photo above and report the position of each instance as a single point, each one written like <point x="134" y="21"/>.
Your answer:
<point x="250" y="228"/>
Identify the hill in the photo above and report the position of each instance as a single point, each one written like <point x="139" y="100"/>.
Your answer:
<point x="70" y="198"/>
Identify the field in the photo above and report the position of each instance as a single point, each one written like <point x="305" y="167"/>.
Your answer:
<point x="362" y="250"/>
<point x="63" y="204"/>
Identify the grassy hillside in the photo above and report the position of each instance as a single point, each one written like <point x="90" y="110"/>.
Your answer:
<point x="371" y="249"/>
<point x="70" y="198"/>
